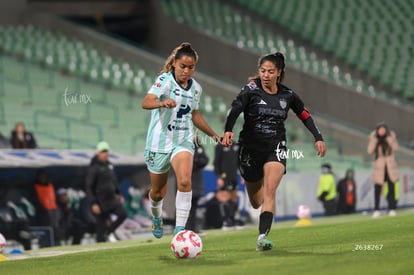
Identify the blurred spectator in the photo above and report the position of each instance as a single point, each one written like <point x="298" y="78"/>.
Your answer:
<point x="137" y="216"/>
<point x="104" y="195"/>
<point x="135" y="207"/>
<point x="70" y="226"/>
<point x="14" y="224"/>
<point x="213" y="214"/>
<point x="347" y="193"/>
<point x="226" y="168"/>
<point x="200" y="160"/>
<point x="382" y="145"/>
<point x="21" y="139"/>
<point x="327" y="190"/>
<point x="4" y="141"/>
<point x="45" y="204"/>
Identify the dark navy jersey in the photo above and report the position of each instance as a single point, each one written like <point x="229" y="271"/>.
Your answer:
<point x="264" y="115"/>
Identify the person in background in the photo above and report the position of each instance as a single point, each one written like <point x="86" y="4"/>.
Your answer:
<point x="226" y="168"/>
<point x="45" y="203"/>
<point x="382" y="145"/>
<point x="102" y="190"/>
<point x="174" y="101"/>
<point x="69" y="225"/>
<point x="200" y="160"/>
<point x="22" y="139"/>
<point x="327" y="190"/>
<point x="347" y="193"/>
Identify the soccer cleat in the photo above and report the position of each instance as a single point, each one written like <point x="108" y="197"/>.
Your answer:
<point x="156" y="227"/>
<point x="178" y="229"/>
<point x="263" y="244"/>
<point x="392" y="213"/>
<point x="376" y="214"/>
<point x="112" y="238"/>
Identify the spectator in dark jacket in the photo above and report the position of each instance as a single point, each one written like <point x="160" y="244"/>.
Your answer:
<point x="226" y="170"/>
<point x="347" y="193"/>
<point x="70" y="226"/>
<point x="200" y="160"/>
<point x="21" y="139"/>
<point x="103" y="193"/>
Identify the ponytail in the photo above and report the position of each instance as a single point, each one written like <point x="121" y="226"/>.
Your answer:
<point x="183" y="49"/>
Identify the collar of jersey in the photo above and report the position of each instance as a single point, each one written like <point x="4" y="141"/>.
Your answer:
<point x="190" y="82"/>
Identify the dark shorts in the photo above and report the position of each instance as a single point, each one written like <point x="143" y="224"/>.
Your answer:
<point x="251" y="162"/>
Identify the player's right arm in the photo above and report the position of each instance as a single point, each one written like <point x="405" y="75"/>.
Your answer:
<point x="159" y="90"/>
<point x="151" y="101"/>
<point x="237" y="106"/>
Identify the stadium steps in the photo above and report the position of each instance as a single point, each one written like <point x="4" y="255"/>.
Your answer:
<point x="373" y="36"/>
<point x="241" y="30"/>
<point x="48" y="81"/>
<point x="52" y="63"/>
<point x="50" y="121"/>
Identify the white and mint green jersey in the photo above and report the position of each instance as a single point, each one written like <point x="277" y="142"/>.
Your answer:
<point x="171" y="127"/>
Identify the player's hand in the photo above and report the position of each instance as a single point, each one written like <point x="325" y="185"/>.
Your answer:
<point x="227" y="139"/>
<point x="169" y="103"/>
<point x="320" y="148"/>
<point x="96" y="209"/>
<point x="121" y="199"/>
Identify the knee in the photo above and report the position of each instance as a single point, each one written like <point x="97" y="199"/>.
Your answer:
<point x="184" y="185"/>
<point x="156" y="195"/>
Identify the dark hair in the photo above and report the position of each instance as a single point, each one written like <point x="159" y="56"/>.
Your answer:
<point x="278" y="59"/>
<point x="180" y="51"/>
<point x="382" y="142"/>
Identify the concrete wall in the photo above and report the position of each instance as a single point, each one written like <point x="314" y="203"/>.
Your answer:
<point x="11" y="11"/>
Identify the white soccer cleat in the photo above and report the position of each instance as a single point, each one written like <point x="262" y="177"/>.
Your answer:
<point x="376" y="214"/>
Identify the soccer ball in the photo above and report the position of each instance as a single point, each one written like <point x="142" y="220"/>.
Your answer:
<point x="186" y="244"/>
<point x="303" y="212"/>
<point x="2" y="243"/>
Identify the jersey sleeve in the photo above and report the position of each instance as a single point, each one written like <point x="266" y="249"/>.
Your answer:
<point x="237" y="106"/>
<point x="161" y="86"/>
<point x="298" y="107"/>
<point x="303" y="114"/>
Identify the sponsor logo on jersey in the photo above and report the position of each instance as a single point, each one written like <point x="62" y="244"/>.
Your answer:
<point x="173" y="127"/>
<point x="184" y="109"/>
<point x="262" y="102"/>
<point x="270" y="111"/>
<point x="252" y="85"/>
<point x="177" y="92"/>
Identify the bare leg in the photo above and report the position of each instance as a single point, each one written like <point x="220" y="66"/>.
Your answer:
<point x="182" y="164"/>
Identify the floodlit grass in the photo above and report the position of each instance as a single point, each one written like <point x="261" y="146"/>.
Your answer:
<point x="327" y="247"/>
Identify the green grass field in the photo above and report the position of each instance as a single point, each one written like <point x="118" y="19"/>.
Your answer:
<point x="326" y="247"/>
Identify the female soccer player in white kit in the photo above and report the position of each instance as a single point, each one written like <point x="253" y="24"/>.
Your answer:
<point x="174" y="101"/>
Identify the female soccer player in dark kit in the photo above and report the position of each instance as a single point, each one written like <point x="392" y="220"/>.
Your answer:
<point x="265" y="103"/>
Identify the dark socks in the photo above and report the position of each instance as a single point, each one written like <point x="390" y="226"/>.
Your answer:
<point x="265" y="222"/>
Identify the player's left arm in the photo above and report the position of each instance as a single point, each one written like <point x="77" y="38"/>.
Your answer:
<point x="303" y="114"/>
<point x="200" y="123"/>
